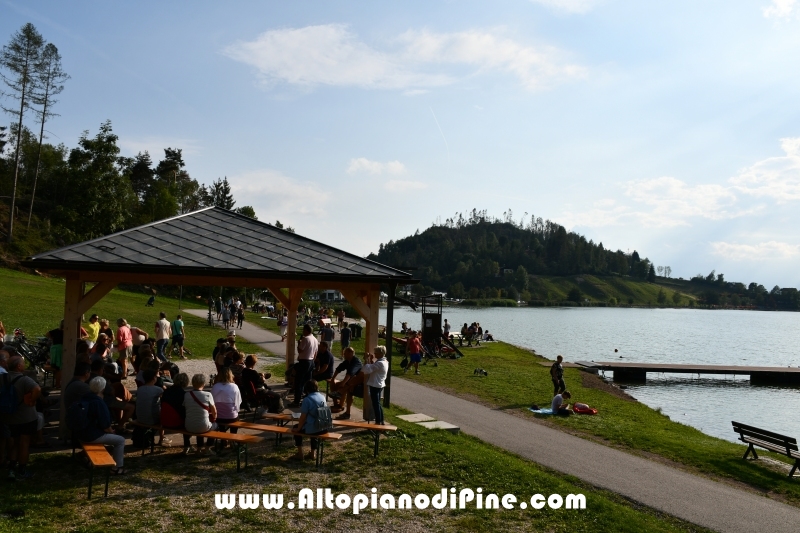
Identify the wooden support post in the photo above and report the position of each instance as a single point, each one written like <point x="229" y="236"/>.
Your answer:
<point x="75" y="305"/>
<point x="291" y="330"/>
<point x="371" y="342"/>
<point x="389" y="344"/>
<point x="72" y="322"/>
<point x="356" y="299"/>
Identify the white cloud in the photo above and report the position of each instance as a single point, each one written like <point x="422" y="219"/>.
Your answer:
<point x="401" y="185"/>
<point x="276" y="196"/>
<point x="155" y="145"/>
<point x="332" y="55"/>
<point x="572" y="6"/>
<point x="775" y="177"/>
<point x="362" y="164"/>
<point x="673" y="201"/>
<point x="758" y="252"/>
<point x="783" y="9"/>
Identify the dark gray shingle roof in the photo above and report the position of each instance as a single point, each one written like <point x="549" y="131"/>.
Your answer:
<point x="217" y="241"/>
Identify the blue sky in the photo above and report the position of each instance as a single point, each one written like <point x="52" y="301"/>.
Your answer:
<point x="670" y="128"/>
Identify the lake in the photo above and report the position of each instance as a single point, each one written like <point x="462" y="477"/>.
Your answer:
<point x="708" y="403"/>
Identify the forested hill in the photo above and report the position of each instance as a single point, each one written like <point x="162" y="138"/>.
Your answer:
<point x="475" y="252"/>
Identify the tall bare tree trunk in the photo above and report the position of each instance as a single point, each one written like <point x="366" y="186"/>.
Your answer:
<point x="16" y="165"/>
<point x="38" y="155"/>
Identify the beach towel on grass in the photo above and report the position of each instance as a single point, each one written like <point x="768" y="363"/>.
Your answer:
<point x="545" y="411"/>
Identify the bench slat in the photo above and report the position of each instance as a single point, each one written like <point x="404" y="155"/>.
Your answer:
<point x="763" y="434"/>
<point x="284" y="430"/>
<point x="98" y="455"/>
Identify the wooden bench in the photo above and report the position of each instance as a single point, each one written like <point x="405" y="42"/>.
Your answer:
<point x="99" y="457"/>
<point x="374" y="429"/>
<point x="283" y="430"/>
<point x="240" y="442"/>
<point x="774" y="442"/>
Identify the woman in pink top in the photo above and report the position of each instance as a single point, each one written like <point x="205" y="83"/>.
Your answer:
<point x="124" y="345"/>
<point x="227" y="398"/>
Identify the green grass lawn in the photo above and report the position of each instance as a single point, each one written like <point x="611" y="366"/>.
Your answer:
<point x="168" y="492"/>
<point x="36" y="304"/>
<point x="516" y="380"/>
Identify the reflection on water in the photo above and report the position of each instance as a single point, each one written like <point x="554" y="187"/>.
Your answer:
<point x="709" y="403"/>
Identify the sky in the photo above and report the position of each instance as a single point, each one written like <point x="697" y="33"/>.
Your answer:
<point x="669" y="128"/>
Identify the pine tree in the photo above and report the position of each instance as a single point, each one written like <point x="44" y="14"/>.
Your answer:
<point x="19" y="59"/>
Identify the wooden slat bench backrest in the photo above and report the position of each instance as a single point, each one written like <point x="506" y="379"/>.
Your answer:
<point x="98" y="455"/>
<point x="283" y="430"/>
<point x="790" y="443"/>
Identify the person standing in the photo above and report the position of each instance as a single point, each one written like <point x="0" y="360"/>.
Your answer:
<point x="56" y="337"/>
<point x="218" y="308"/>
<point x="340" y="319"/>
<point x="307" y="348"/>
<point x="163" y="334"/>
<point x="92" y="330"/>
<point x="283" y="322"/>
<point x="376" y="369"/>
<point x="226" y="317"/>
<point x="344" y="337"/>
<point x="446" y="329"/>
<point x="557" y="376"/>
<point x="240" y="317"/>
<point x="179" y="334"/>
<point x="124" y="345"/>
<point x="23" y="422"/>
<point x="414" y="350"/>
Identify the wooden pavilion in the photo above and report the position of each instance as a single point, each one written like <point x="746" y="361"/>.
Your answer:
<point x="215" y="247"/>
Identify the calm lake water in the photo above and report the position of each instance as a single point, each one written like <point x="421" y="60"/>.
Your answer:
<point x="708" y="403"/>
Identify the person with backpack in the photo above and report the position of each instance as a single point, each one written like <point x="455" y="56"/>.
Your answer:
<point x="93" y="423"/>
<point x="557" y="376"/>
<point x="18" y="395"/>
<point x="315" y="418"/>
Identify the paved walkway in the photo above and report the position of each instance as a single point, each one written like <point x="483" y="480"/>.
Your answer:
<point x="692" y="498"/>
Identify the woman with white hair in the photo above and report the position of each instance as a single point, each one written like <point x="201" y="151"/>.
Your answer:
<point x="201" y="412"/>
<point x="99" y="429"/>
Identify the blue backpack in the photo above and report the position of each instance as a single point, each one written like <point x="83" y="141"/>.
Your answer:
<point x="8" y="396"/>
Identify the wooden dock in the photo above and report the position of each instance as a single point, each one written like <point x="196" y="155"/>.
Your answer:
<point x="637" y="372"/>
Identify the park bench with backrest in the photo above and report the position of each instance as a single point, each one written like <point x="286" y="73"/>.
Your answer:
<point x="239" y="442"/>
<point x="774" y="442"/>
<point x="374" y="429"/>
<point x="280" y="431"/>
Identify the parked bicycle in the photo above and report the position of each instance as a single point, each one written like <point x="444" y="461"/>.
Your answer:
<point x="37" y="355"/>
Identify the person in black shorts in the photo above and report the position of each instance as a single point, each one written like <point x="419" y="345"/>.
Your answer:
<point x="557" y="376"/>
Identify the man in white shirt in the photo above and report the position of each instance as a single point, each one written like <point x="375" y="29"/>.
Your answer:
<point x="163" y="335"/>
<point x="307" y="348"/>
